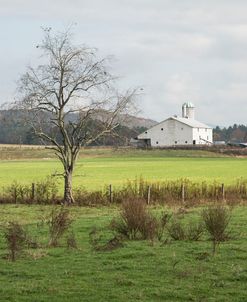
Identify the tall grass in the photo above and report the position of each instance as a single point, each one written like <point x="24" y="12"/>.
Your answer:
<point x="170" y="192"/>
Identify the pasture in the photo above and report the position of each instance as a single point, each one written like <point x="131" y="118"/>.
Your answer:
<point x="139" y="271"/>
<point x="99" y="167"/>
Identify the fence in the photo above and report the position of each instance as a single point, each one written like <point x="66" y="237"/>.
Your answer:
<point x="182" y="191"/>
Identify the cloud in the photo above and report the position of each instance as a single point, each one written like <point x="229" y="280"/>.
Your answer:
<point x="176" y="50"/>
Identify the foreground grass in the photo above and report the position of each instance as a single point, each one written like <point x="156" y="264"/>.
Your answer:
<point x="99" y="167"/>
<point x="176" y="271"/>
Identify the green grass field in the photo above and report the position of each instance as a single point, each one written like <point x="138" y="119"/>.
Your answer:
<point x="139" y="271"/>
<point x="99" y="167"/>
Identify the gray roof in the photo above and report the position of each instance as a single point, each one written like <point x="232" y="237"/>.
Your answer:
<point x="187" y="121"/>
<point x="191" y="122"/>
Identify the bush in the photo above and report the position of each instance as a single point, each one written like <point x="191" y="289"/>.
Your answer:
<point x="100" y="242"/>
<point x="15" y="236"/>
<point x="135" y="221"/>
<point x="42" y="192"/>
<point x="71" y="241"/>
<point x="194" y="231"/>
<point x="59" y="223"/>
<point x="176" y="230"/>
<point x="216" y="219"/>
<point x="161" y="225"/>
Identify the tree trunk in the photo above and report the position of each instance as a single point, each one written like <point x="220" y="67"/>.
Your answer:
<point x="68" y="196"/>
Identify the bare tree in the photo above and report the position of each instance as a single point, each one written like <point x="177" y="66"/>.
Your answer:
<point x="70" y="100"/>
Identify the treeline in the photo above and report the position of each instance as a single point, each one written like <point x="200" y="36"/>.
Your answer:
<point x="235" y="133"/>
<point x="14" y="130"/>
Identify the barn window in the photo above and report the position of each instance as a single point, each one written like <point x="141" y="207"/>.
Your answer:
<point x="186" y="142"/>
<point x="162" y="129"/>
<point x="146" y="132"/>
<point x="176" y="142"/>
<point x="157" y="143"/>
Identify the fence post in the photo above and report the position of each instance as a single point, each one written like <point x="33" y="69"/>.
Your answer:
<point x="110" y="193"/>
<point x="183" y="192"/>
<point x="149" y="194"/>
<point x="15" y="195"/>
<point x="33" y="191"/>
<point x="223" y="191"/>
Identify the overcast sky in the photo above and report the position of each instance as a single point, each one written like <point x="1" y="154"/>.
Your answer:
<point x="177" y="50"/>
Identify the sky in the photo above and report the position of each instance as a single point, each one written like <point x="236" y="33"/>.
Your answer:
<point x="175" y="50"/>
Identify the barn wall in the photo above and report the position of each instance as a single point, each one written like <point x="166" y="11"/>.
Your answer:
<point x="202" y="135"/>
<point x="173" y="133"/>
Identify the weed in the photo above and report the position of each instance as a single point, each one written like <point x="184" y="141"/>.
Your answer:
<point x="98" y="243"/>
<point x="176" y="230"/>
<point x="194" y="231"/>
<point x="161" y="225"/>
<point x="216" y="219"/>
<point x="15" y="237"/>
<point x="71" y="241"/>
<point x="135" y="221"/>
<point x="59" y="223"/>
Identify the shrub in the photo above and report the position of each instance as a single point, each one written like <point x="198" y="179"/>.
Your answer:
<point x="176" y="230"/>
<point x="46" y="190"/>
<point x="59" y="223"/>
<point x="135" y="221"/>
<point x="161" y="225"/>
<point x="71" y="241"/>
<point x="15" y="236"/>
<point x="99" y="242"/>
<point x="194" y="231"/>
<point x="133" y="217"/>
<point x="216" y="219"/>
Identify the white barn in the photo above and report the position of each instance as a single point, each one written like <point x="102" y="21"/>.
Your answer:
<point x="176" y="130"/>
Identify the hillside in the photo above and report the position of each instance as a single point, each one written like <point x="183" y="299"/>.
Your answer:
<point x="15" y="131"/>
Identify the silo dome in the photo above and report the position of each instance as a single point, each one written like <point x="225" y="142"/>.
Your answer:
<point x="188" y="105"/>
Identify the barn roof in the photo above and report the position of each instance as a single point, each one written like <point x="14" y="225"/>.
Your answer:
<point x="187" y="121"/>
<point x="191" y="122"/>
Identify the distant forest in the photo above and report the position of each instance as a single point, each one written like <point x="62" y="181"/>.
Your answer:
<point x="14" y="131"/>
<point x="234" y="134"/>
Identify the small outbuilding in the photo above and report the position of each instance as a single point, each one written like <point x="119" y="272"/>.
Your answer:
<point x="176" y="130"/>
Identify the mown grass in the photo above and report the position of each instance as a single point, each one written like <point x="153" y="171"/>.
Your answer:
<point x="19" y="152"/>
<point x="94" y="173"/>
<point x="139" y="271"/>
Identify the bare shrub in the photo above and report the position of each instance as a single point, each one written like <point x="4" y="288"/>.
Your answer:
<point x="148" y="230"/>
<point x="194" y="231"/>
<point x="46" y="190"/>
<point x="17" y="193"/>
<point x="100" y="243"/>
<point x="161" y="225"/>
<point x="59" y="223"/>
<point x="71" y="241"/>
<point x="43" y="192"/>
<point x="216" y="219"/>
<point x="86" y="198"/>
<point x="15" y="237"/>
<point x="135" y="221"/>
<point x="176" y="230"/>
<point x="133" y="217"/>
